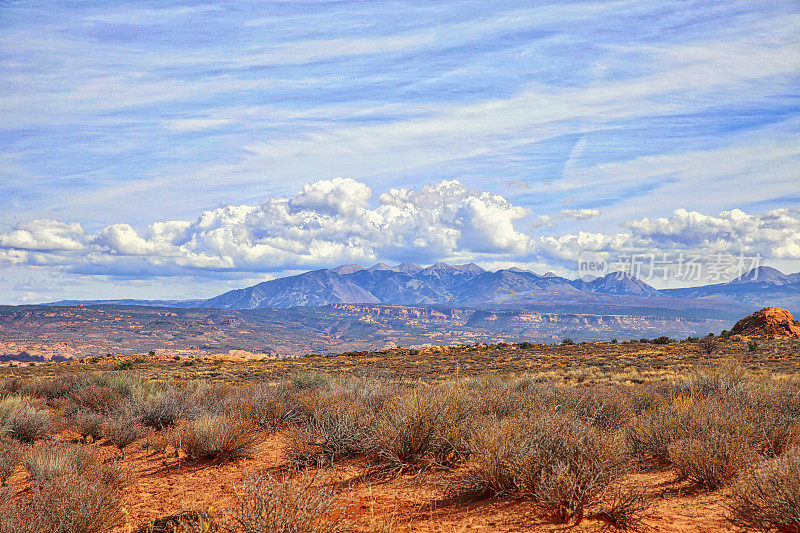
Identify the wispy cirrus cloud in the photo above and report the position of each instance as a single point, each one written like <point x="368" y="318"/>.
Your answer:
<point x="633" y="109"/>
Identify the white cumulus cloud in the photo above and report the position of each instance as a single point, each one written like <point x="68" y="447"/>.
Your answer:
<point x="341" y="220"/>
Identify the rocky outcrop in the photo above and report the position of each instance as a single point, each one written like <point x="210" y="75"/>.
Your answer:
<point x="770" y="321"/>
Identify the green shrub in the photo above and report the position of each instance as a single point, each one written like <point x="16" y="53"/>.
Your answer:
<point x="708" y="345"/>
<point x="310" y="380"/>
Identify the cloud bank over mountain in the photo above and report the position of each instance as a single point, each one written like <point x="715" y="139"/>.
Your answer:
<point x="342" y="220"/>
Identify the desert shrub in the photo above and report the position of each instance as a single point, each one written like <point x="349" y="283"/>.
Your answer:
<point x="164" y="407"/>
<point x="768" y="498"/>
<point x="23" y="421"/>
<point x="309" y="380"/>
<point x="602" y="407"/>
<point x="564" y="464"/>
<point x="708" y="345"/>
<point x="219" y="437"/>
<point x="10" y="457"/>
<point x="567" y="342"/>
<point x="124" y="365"/>
<point x="498" y="402"/>
<point x="341" y="428"/>
<point x="124" y="383"/>
<point x="724" y="381"/>
<point x="304" y="505"/>
<point x="121" y="431"/>
<point x="192" y="521"/>
<point x="53" y="460"/>
<point x="623" y="508"/>
<point x="704" y="425"/>
<point x="75" y="503"/>
<point x="59" y="387"/>
<point x="752" y="345"/>
<point x="98" y="398"/>
<point x="431" y="423"/>
<point x="711" y="460"/>
<point x="268" y="406"/>
<point x="215" y="398"/>
<point x="662" y="340"/>
<point x="651" y="432"/>
<point x="88" y="424"/>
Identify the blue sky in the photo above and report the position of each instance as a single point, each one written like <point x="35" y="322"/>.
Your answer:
<point x="566" y="125"/>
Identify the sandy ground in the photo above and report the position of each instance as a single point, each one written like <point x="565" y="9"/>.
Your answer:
<point x="407" y="503"/>
<point x="165" y="486"/>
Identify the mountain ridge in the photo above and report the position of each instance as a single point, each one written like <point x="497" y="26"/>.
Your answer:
<point x="468" y="284"/>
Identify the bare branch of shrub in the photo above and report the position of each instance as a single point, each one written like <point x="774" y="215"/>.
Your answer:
<point x="768" y="498"/>
<point x="303" y="505"/>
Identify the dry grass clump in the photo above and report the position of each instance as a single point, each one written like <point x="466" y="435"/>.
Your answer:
<point x="72" y="491"/>
<point x="52" y="460"/>
<point x="304" y="505"/>
<point x="564" y="464"/>
<point x="98" y="398"/>
<point x="217" y="437"/>
<point x="623" y="508"/>
<point x="716" y="416"/>
<point x="72" y="503"/>
<point x="11" y="454"/>
<point x="22" y="420"/>
<point x="768" y="498"/>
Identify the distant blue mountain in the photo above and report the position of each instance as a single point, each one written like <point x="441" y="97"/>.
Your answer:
<point x="315" y="288"/>
<point x="620" y="283"/>
<point x="471" y="286"/>
<point x="760" y="287"/>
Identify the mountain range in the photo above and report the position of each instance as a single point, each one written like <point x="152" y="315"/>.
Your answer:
<point x="470" y="285"/>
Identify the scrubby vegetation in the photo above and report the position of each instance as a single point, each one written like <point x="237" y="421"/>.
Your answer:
<point x="263" y="503"/>
<point x="570" y="449"/>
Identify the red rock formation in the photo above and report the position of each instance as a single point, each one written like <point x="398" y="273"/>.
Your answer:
<point x="772" y="321"/>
